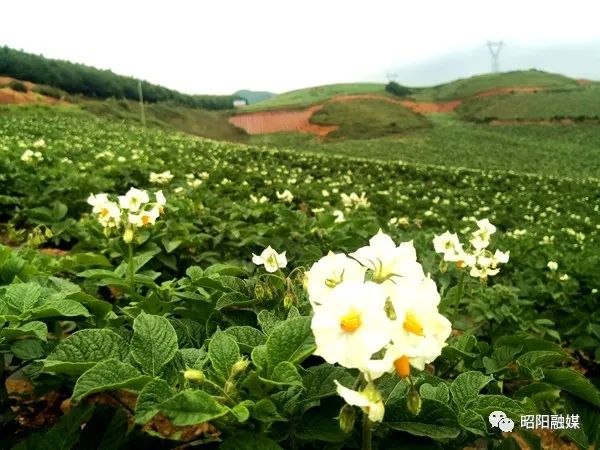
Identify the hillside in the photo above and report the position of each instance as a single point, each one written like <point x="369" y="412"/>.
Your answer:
<point x="254" y="96"/>
<point x="96" y="83"/>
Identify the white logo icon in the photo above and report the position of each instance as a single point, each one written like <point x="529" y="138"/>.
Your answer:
<point x="498" y="419"/>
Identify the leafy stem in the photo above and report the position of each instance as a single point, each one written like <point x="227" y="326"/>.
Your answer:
<point x="130" y="266"/>
<point x="367" y="432"/>
<point x="461" y="288"/>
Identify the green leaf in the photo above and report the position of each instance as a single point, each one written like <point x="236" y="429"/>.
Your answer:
<point x="154" y="342"/>
<point x="439" y="392"/>
<point x="223" y="353"/>
<point x="266" y="411"/>
<point x="58" y="308"/>
<point x="24" y="296"/>
<point x="241" y="411"/>
<point x="108" y="375"/>
<point x="35" y="328"/>
<point x="426" y="429"/>
<point x="466" y="387"/>
<point x="573" y="382"/>
<point x="541" y="358"/>
<point x="285" y="373"/>
<point x="191" y="407"/>
<point x="267" y="321"/>
<point x="83" y="349"/>
<point x="149" y="401"/>
<point x="291" y="340"/>
<point x="259" y="357"/>
<point x="472" y="422"/>
<point x="169" y="245"/>
<point x="486" y="404"/>
<point x="247" y="337"/>
<point x="319" y="381"/>
<point x="27" y="349"/>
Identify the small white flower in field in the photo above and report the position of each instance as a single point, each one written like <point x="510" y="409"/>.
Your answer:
<point x="481" y="237"/>
<point x="133" y="199"/>
<point x="203" y="175"/>
<point x="121" y="159"/>
<point x="351" y="325"/>
<point x="270" y="259"/>
<point x="325" y="193"/>
<point x="286" y="196"/>
<point x="328" y="272"/>
<point x="449" y="244"/>
<point x="178" y="190"/>
<point x="109" y="215"/>
<point x="145" y="217"/>
<point x="388" y="261"/>
<point x="339" y="216"/>
<point x="552" y="265"/>
<point x="160" y="199"/>
<point x="564" y="277"/>
<point x="40" y="143"/>
<point x="500" y="257"/>
<point x="30" y="156"/>
<point x="97" y="201"/>
<point x="161" y="178"/>
<point x="369" y="400"/>
<point x="354" y="201"/>
<point x="255" y="199"/>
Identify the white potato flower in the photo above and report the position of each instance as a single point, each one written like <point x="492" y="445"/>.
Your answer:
<point x="370" y="400"/>
<point x="285" y="196"/>
<point x="145" y="217"/>
<point x="481" y="237"/>
<point x="270" y="259"/>
<point x="387" y="260"/>
<point x="328" y="272"/>
<point x="160" y="178"/>
<point x="133" y="199"/>
<point x="449" y="244"/>
<point x="97" y="201"/>
<point x="352" y="324"/>
<point x="552" y="265"/>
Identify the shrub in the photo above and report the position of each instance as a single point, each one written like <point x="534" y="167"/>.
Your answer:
<point x="49" y="91"/>
<point x="18" y="86"/>
<point x="397" y="89"/>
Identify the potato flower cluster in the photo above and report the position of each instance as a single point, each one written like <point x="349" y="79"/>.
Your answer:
<point x="478" y="258"/>
<point x="375" y="310"/>
<point x="132" y="211"/>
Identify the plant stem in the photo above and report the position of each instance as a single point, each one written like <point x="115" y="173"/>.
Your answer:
<point x="366" y="432"/>
<point x="461" y="287"/>
<point x="130" y="267"/>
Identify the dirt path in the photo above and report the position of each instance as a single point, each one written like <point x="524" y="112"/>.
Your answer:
<point x="11" y="97"/>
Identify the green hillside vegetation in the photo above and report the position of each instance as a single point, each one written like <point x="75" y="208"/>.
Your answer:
<point x="303" y="98"/>
<point x="580" y="104"/>
<point x="368" y="118"/>
<point x="96" y="83"/>
<point x="254" y="96"/>
<point x="569" y="151"/>
<point x="468" y="87"/>
<point x="210" y="124"/>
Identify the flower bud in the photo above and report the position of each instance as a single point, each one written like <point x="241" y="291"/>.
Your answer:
<point x="128" y="235"/>
<point x="240" y="366"/>
<point x="414" y="401"/>
<point x="194" y="375"/>
<point x="289" y="300"/>
<point x="346" y="418"/>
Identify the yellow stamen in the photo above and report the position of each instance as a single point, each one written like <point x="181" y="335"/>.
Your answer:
<point x="402" y="366"/>
<point x="145" y="220"/>
<point x="412" y="324"/>
<point x="104" y="212"/>
<point x="460" y="264"/>
<point x="350" y="322"/>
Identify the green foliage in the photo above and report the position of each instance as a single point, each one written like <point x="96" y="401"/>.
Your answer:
<point x="364" y="119"/>
<point x="202" y="335"/>
<point x="18" y="86"/>
<point x="397" y="89"/>
<point x="91" y="82"/>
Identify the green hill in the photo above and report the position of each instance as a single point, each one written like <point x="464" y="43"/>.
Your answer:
<point x="254" y="96"/>
<point x="302" y="98"/>
<point x="467" y="87"/>
<point x="576" y="104"/>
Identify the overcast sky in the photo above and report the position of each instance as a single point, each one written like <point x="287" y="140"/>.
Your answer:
<point x="221" y="46"/>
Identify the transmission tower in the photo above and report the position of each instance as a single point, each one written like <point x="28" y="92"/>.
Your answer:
<point x="391" y="76"/>
<point x="495" y="48"/>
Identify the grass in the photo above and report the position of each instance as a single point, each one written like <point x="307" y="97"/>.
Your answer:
<point x="368" y="118"/>
<point x="468" y="87"/>
<point x="567" y="151"/>
<point x="583" y="103"/>
<point x="210" y="124"/>
<point x="303" y="98"/>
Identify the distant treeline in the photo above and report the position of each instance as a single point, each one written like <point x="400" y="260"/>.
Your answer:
<point x="91" y="82"/>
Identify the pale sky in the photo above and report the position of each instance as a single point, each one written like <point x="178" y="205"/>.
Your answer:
<point x="221" y="46"/>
